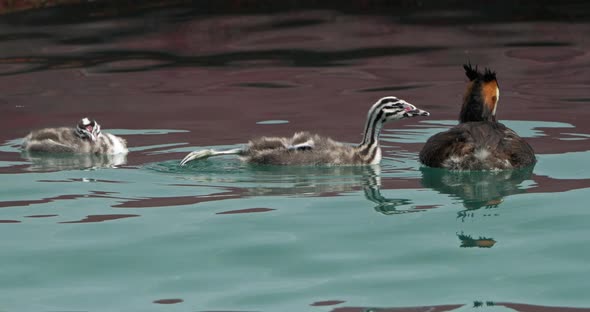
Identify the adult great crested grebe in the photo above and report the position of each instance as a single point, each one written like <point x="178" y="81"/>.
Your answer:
<point x="305" y="148"/>
<point x="86" y="138"/>
<point x="478" y="142"/>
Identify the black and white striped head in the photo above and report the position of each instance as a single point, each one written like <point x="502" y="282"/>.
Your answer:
<point x="88" y="129"/>
<point x="391" y="108"/>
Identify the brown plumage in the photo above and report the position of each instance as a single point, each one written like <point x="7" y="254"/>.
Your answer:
<point x="275" y="150"/>
<point x="305" y="148"/>
<point x="479" y="142"/>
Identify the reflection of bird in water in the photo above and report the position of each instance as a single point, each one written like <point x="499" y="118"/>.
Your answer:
<point x="478" y="142"/>
<point x="303" y="181"/>
<point x="76" y="161"/>
<point x="86" y="138"/>
<point x="482" y="242"/>
<point x="476" y="189"/>
<point x="334" y="180"/>
<point x="311" y="149"/>
<point x="372" y="189"/>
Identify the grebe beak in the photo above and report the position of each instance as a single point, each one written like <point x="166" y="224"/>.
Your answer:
<point x="416" y="112"/>
<point x="90" y="130"/>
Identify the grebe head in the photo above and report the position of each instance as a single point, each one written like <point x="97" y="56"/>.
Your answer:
<point x="386" y="109"/>
<point x="481" y="97"/>
<point x="88" y="129"/>
<point x="391" y="108"/>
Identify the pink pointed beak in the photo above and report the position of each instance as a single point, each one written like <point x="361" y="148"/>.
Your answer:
<point x="92" y="136"/>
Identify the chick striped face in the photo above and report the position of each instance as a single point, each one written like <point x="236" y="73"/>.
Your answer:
<point x="384" y="110"/>
<point x="391" y="108"/>
<point x="88" y="129"/>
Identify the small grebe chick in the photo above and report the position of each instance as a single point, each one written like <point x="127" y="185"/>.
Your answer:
<point x="86" y="138"/>
<point x="478" y="142"/>
<point x="305" y="148"/>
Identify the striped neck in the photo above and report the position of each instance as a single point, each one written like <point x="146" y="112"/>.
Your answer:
<point x="369" y="147"/>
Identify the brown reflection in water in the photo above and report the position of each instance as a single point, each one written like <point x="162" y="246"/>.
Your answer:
<point x="553" y="143"/>
<point x="523" y="307"/>
<point x="55" y="181"/>
<point x="326" y="303"/>
<point x="18" y="203"/>
<point x="42" y="216"/>
<point x="102" y="218"/>
<point x="488" y="189"/>
<point x="439" y="308"/>
<point x="426" y="207"/>
<point x="248" y="210"/>
<point x="545" y="54"/>
<point x="80" y="180"/>
<point x="303" y="182"/>
<point x="14" y="168"/>
<point x="481" y="242"/>
<point x="547" y="184"/>
<point x="230" y="193"/>
<point x="9" y="221"/>
<point x="168" y="301"/>
<point x="476" y="189"/>
<point x="153" y="60"/>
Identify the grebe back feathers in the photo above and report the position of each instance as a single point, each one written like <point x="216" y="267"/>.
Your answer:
<point x="478" y="142"/>
<point x="305" y="148"/>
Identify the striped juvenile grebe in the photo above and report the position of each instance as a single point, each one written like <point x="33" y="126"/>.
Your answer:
<point x="478" y="142"/>
<point x="305" y="148"/>
<point x="86" y="138"/>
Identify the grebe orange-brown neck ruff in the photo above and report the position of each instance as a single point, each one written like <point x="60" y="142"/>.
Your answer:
<point x="478" y="142"/>
<point x="481" y="97"/>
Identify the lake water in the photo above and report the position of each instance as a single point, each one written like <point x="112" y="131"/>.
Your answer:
<point x="143" y="234"/>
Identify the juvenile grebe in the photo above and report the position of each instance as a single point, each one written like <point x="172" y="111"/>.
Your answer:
<point x="305" y="148"/>
<point x="478" y="142"/>
<point x="86" y="138"/>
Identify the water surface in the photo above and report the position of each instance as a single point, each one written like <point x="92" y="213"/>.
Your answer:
<point x="134" y="234"/>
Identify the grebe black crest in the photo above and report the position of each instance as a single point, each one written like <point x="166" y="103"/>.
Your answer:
<point x="481" y="97"/>
<point x="478" y="142"/>
<point x="305" y="148"/>
<point x="85" y="138"/>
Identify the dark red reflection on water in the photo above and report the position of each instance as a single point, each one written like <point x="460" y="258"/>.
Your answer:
<point x="230" y="193"/>
<point x="248" y="210"/>
<point x="426" y="207"/>
<point x="80" y="180"/>
<point x="547" y="184"/>
<point x="522" y="307"/>
<point x="9" y="221"/>
<point x="42" y="216"/>
<point x="326" y="303"/>
<point x="28" y="202"/>
<point x="168" y="301"/>
<point x="102" y="218"/>
<point x="440" y="308"/>
<point x="545" y="54"/>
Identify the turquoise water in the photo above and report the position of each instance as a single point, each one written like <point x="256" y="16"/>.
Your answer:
<point x="140" y="233"/>
<point x="221" y="235"/>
